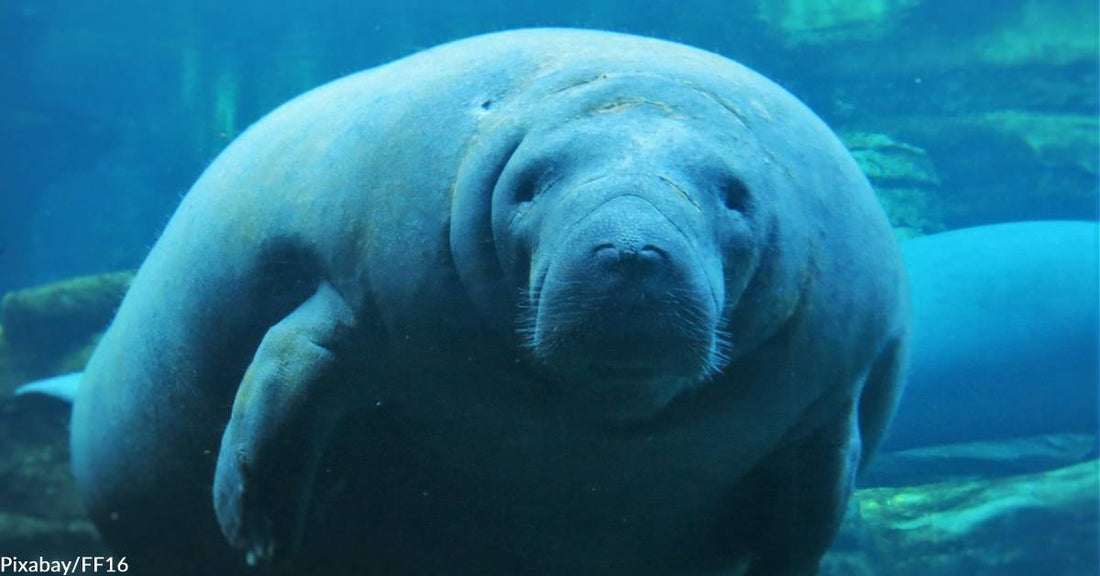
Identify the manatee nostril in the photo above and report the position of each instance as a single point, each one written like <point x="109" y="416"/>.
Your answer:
<point x="650" y="251"/>
<point x="608" y="255"/>
<point x="648" y="257"/>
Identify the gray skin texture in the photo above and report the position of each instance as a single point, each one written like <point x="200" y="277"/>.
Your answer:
<point x="538" y="302"/>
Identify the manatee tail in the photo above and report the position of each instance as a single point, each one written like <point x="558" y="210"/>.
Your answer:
<point x="61" y="387"/>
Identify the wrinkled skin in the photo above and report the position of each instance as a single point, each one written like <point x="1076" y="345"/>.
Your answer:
<point x="541" y="302"/>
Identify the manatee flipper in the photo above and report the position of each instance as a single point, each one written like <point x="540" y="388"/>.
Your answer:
<point x="880" y="395"/>
<point x="286" y="407"/>
<point x="62" y="387"/>
<point x="806" y="488"/>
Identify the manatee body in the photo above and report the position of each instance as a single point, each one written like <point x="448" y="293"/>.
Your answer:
<point x="538" y="302"/>
<point x="1005" y="337"/>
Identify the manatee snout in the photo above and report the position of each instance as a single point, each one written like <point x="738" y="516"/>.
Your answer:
<point x="625" y="313"/>
<point x="629" y="238"/>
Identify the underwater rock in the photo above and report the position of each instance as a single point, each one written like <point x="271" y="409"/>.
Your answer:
<point x="52" y="328"/>
<point x="28" y="538"/>
<point x="1003" y="103"/>
<point x="1042" y="523"/>
<point x="1036" y="34"/>
<point x="34" y="460"/>
<point x="978" y="459"/>
<point x="40" y="513"/>
<point x="1026" y="54"/>
<point x="829" y="21"/>
<point x="1059" y="141"/>
<point x="887" y="161"/>
<point x="1052" y="157"/>
<point x="1043" y="32"/>
<point x="10" y="374"/>
<point x="904" y="180"/>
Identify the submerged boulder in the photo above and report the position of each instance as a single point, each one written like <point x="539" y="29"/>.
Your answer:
<point x="802" y="22"/>
<point x="35" y="480"/>
<point x="974" y="460"/>
<point x="1059" y="141"/>
<point x="1043" y="523"/>
<point x="1002" y="100"/>
<point x="1051" y="159"/>
<point x="904" y="180"/>
<point x="53" y="328"/>
<point x="28" y="538"/>
<point x="10" y="374"/>
<point x="40" y="513"/>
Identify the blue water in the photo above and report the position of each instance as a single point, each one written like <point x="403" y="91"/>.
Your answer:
<point x="110" y="110"/>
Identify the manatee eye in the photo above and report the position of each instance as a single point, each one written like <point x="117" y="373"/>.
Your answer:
<point x="735" y="195"/>
<point x="532" y="182"/>
<point x="525" y="190"/>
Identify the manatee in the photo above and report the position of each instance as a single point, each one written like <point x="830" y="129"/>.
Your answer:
<point x="538" y="302"/>
<point x="1005" y="334"/>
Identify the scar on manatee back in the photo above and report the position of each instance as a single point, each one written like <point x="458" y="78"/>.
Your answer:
<point x="612" y="107"/>
<point x="581" y="82"/>
<point x="623" y="104"/>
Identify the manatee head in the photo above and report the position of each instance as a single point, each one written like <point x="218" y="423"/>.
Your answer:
<point x="615" y="235"/>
